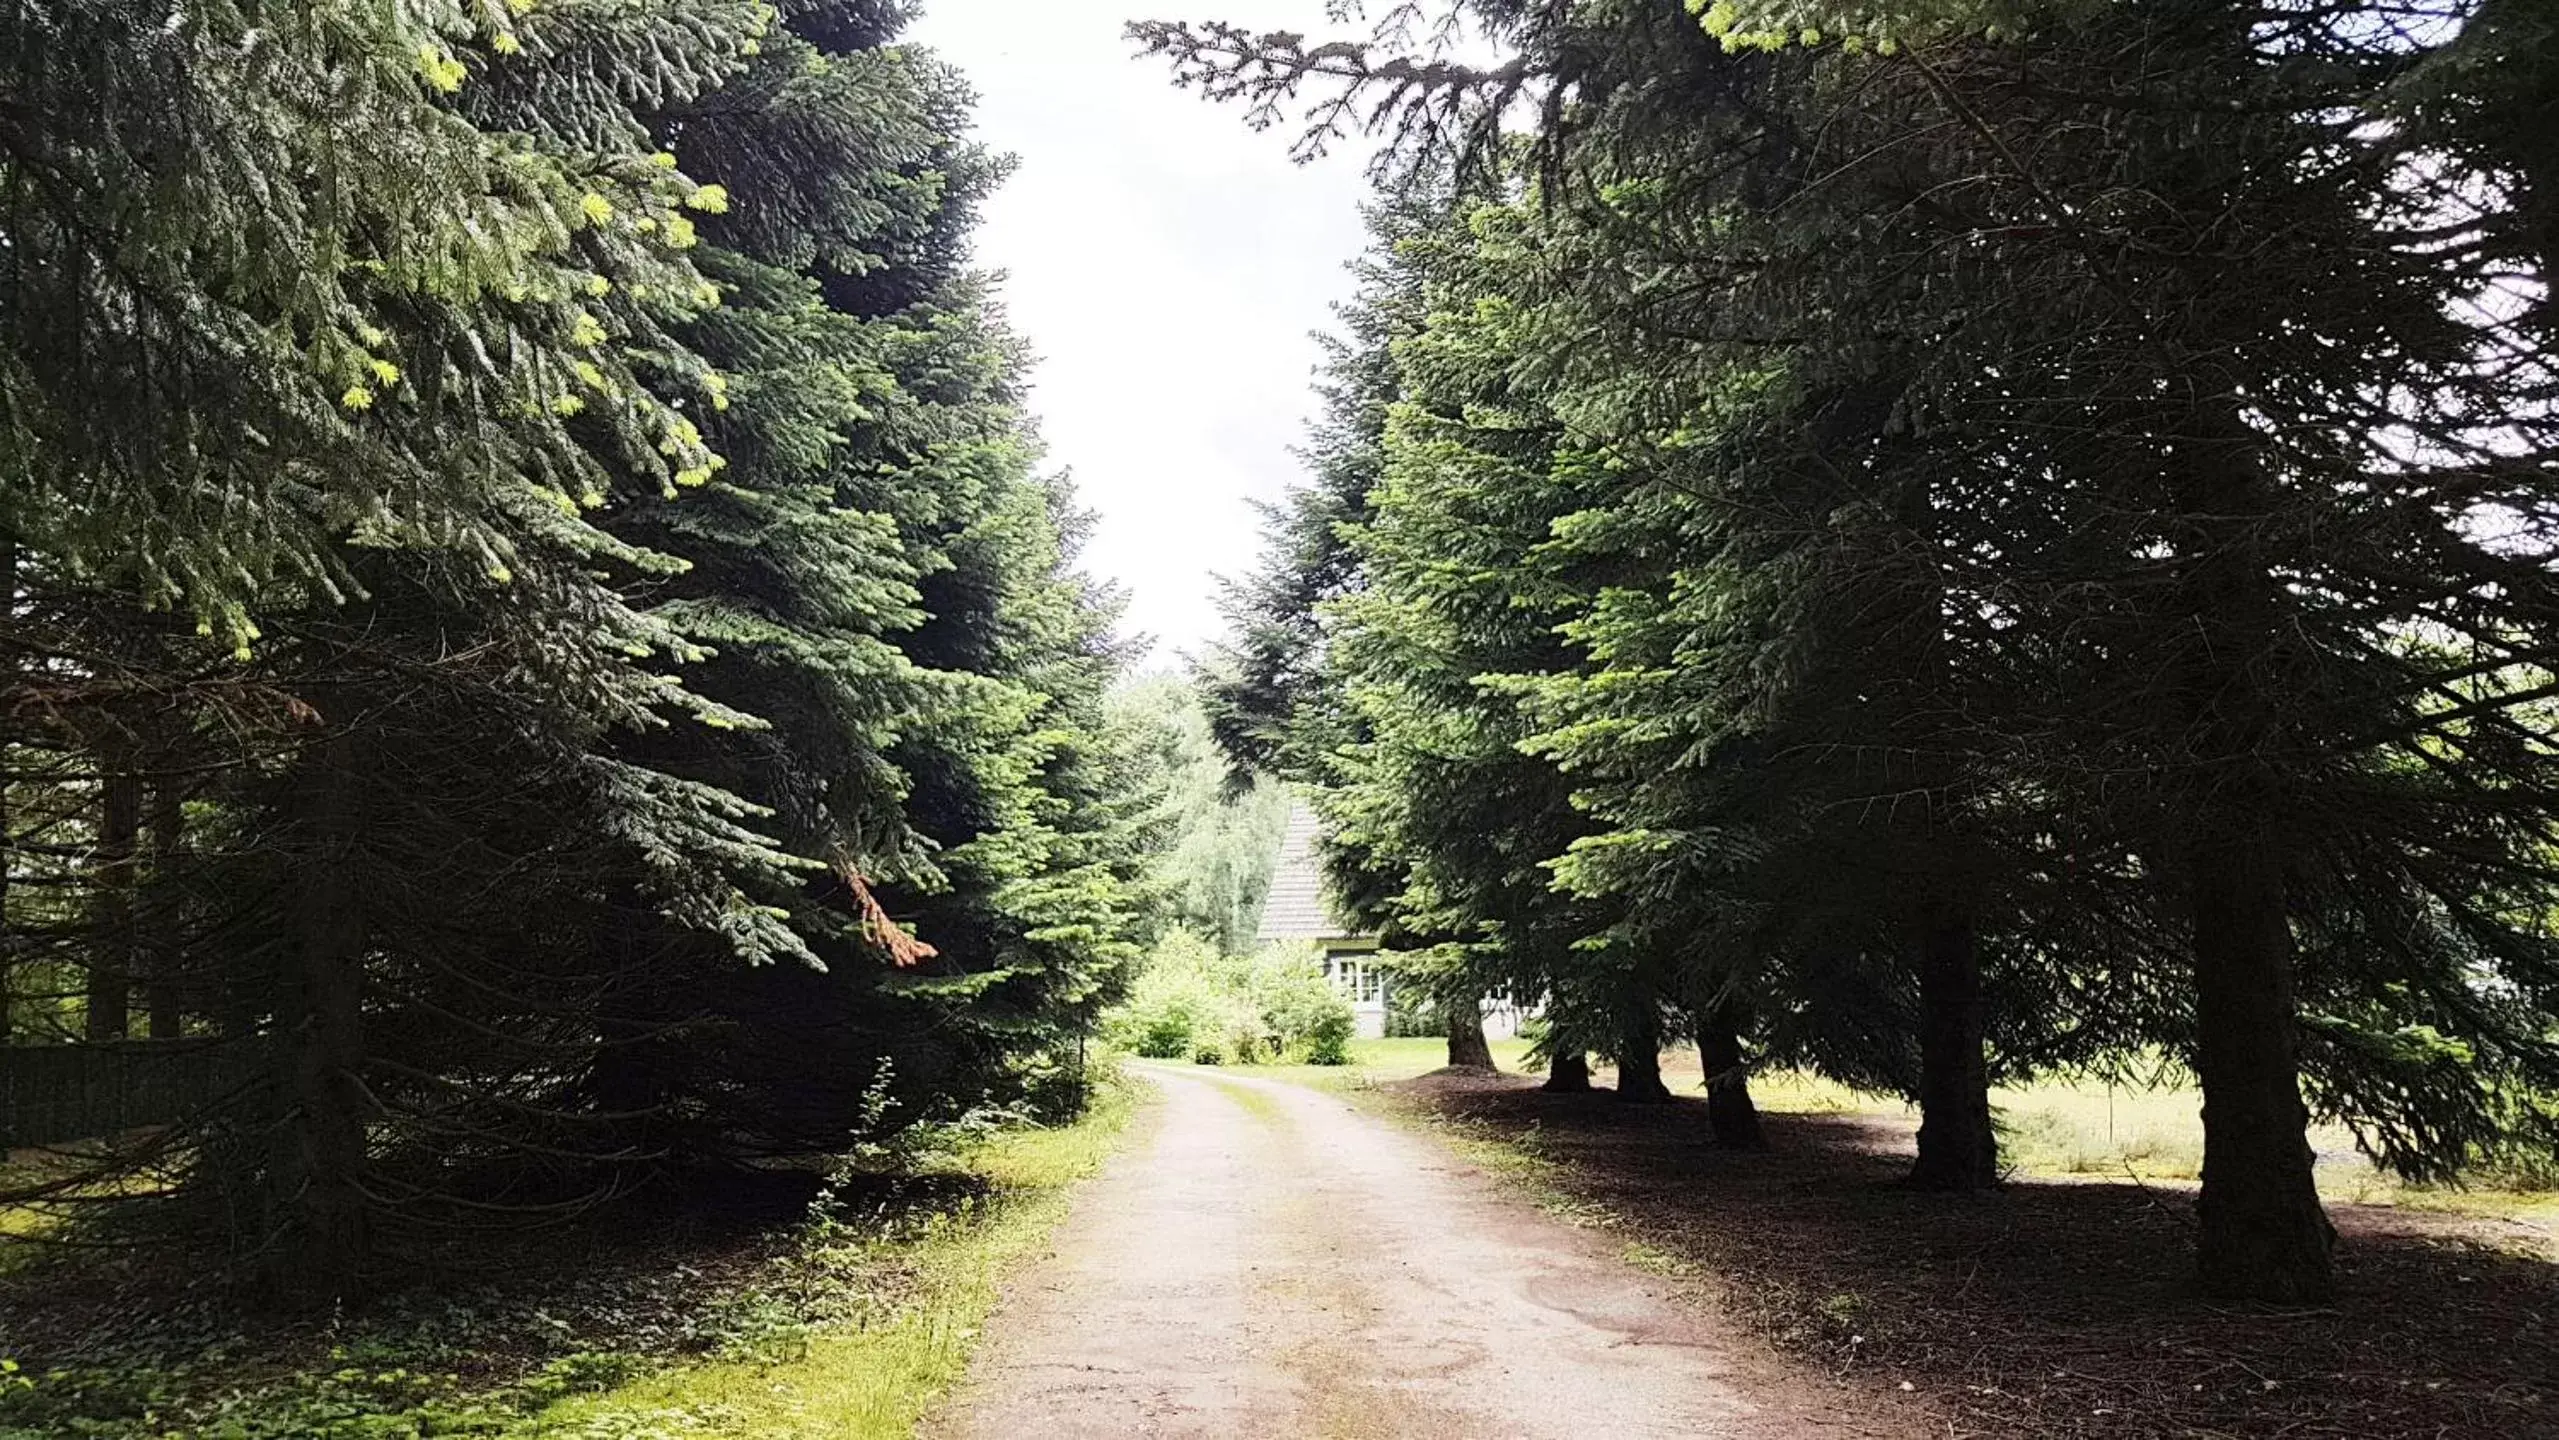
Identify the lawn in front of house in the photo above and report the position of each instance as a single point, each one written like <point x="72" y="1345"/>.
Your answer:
<point x="1406" y="1057"/>
<point x="2059" y="1128"/>
<point x="1382" y="1062"/>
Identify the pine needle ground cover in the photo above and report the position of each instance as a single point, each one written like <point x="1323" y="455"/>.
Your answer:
<point x="2049" y="1306"/>
<point x="2053" y="1130"/>
<point x="847" y="1321"/>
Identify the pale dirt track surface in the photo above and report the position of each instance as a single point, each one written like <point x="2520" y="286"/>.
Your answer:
<point x="1268" y="1263"/>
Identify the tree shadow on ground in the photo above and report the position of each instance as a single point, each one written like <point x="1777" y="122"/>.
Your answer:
<point x="2052" y="1307"/>
<point x="657" y="1270"/>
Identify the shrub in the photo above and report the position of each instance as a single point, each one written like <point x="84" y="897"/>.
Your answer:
<point x="1411" y="1013"/>
<point x="1183" y="998"/>
<point x="1329" y="1042"/>
<point x="1215" y="1009"/>
<point x="1300" y="1010"/>
<point x="1164" y="1031"/>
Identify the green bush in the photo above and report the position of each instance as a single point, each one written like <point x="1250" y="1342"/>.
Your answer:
<point x="1170" y="1019"/>
<point x="1183" y="998"/>
<point x="1160" y="1036"/>
<point x="1191" y="1001"/>
<point x="1329" y="1043"/>
<point x="1411" y="1013"/>
<point x="1300" y="1010"/>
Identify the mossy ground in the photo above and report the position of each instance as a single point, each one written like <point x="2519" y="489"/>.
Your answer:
<point x="879" y="1378"/>
<point x="844" y="1322"/>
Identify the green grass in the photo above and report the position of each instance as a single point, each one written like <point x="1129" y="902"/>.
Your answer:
<point x="23" y="1221"/>
<point x="2070" y="1129"/>
<point x="25" y="1170"/>
<point x="877" y="1379"/>
<point x="848" y="1330"/>
<point x="1375" y="1062"/>
<point x="1256" y="1103"/>
<point x="2057" y="1129"/>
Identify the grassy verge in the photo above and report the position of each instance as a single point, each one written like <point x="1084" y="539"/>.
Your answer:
<point x="2089" y="1130"/>
<point x="19" y="1221"/>
<point x="847" y="1324"/>
<point x="2058" y="1129"/>
<point x="876" y="1378"/>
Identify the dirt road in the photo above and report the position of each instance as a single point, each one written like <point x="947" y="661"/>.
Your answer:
<point x="1268" y="1261"/>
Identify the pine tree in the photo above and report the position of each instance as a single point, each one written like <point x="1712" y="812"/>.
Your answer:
<point x="1449" y="625"/>
<point x="877" y="579"/>
<point x="2116" y="456"/>
<point x="619" y="610"/>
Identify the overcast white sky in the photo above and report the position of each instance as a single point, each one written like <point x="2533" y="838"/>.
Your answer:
<point x="1170" y="266"/>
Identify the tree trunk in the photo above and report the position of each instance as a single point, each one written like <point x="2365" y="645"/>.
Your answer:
<point x="8" y="737"/>
<point x="1729" y="1111"/>
<point x="1958" y="1150"/>
<point x="165" y="949"/>
<point x="1568" y="1073"/>
<point x="1639" y="1056"/>
<point x="2264" y="1236"/>
<point x="322" y="1160"/>
<point x="110" y="990"/>
<point x="1467" y="1047"/>
<point x="8" y="936"/>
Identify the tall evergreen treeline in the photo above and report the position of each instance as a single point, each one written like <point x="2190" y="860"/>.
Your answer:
<point x="538" y="647"/>
<point x="1949" y="541"/>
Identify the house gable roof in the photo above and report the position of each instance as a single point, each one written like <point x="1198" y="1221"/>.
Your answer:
<point x="1297" y="907"/>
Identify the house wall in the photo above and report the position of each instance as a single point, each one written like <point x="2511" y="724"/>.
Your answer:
<point x="1502" y="1019"/>
<point x="1350" y="965"/>
<point x="1352" y="969"/>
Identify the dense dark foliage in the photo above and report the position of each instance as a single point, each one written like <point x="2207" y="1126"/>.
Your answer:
<point x="537" y="650"/>
<point x="1947" y="541"/>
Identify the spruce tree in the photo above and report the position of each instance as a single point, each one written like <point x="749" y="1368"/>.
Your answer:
<point x="567" y="625"/>
<point x="2163" y="411"/>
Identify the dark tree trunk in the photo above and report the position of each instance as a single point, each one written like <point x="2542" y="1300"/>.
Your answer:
<point x="1958" y="1150"/>
<point x="110" y="989"/>
<point x="8" y="737"/>
<point x="8" y="937"/>
<point x="165" y="949"/>
<point x="1467" y="1047"/>
<point x="322" y="1158"/>
<point x="1639" y="1056"/>
<point x="1568" y="1073"/>
<point x="627" y="1083"/>
<point x="1729" y="1111"/>
<point x="2264" y="1236"/>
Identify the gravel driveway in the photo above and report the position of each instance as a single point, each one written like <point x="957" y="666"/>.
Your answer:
<point x="1266" y="1260"/>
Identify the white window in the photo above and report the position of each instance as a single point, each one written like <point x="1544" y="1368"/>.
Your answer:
<point x="1356" y="979"/>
